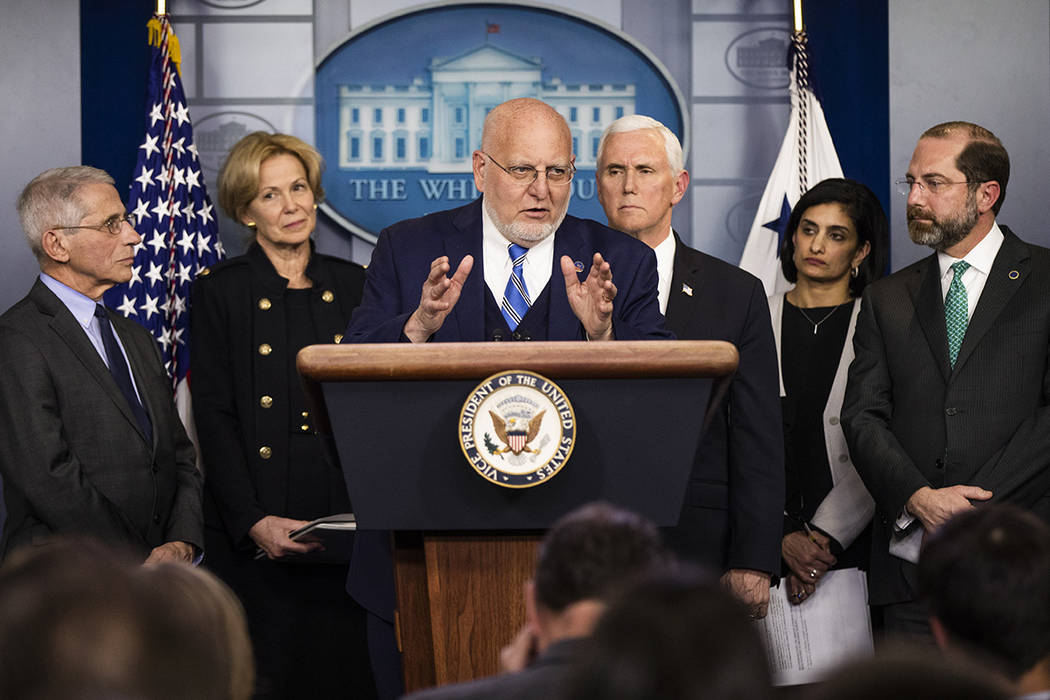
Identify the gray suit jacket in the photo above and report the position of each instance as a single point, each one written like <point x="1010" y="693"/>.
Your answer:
<point x="543" y="678"/>
<point x="912" y="420"/>
<point x="73" y="459"/>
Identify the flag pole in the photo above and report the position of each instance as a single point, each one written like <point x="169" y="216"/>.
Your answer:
<point x="161" y="9"/>
<point x="796" y="8"/>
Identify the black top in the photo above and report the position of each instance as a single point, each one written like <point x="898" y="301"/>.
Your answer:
<point x="808" y="363"/>
<point x="247" y="327"/>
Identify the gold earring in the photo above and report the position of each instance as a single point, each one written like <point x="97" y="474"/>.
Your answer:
<point x="855" y="272"/>
<point x="250" y="224"/>
<point x="315" y="206"/>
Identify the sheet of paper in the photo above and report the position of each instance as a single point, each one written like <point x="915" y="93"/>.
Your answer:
<point x="805" y="642"/>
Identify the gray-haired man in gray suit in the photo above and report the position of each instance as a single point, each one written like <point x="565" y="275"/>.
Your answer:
<point x="92" y="443"/>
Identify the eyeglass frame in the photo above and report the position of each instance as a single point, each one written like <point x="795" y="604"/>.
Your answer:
<point x="535" y="172"/>
<point x="933" y="188"/>
<point x="107" y="225"/>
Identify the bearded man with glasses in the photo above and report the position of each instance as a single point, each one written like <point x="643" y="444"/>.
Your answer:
<point x="948" y="400"/>
<point x="92" y="443"/>
<point x="541" y="274"/>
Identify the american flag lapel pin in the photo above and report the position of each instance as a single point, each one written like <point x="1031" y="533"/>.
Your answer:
<point x="686" y="289"/>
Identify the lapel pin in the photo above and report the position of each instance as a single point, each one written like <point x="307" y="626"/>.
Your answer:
<point x="1013" y="274"/>
<point x="579" y="266"/>
<point x="686" y="289"/>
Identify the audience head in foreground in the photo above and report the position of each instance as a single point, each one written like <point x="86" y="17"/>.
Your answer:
<point x="585" y="559"/>
<point x="985" y="577"/>
<point x="79" y="622"/>
<point x="908" y="673"/>
<point x="678" y="635"/>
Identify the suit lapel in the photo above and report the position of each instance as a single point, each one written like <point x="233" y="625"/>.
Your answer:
<point x="925" y="291"/>
<point x="72" y="334"/>
<point x="1013" y="260"/>
<point x="465" y="238"/>
<point x="562" y="323"/>
<point x="687" y="289"/>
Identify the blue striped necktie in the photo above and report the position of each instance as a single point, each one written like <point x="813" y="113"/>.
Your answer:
<point x="516" y="301"/>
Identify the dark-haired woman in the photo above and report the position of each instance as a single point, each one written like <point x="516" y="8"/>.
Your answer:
<point x="837" y="245"/>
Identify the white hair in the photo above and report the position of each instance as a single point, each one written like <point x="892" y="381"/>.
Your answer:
<point x="638" y="122"/>
<point x="50" y="199"/>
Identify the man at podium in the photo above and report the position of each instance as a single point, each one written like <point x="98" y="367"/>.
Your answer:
<point x="541" y="274"/>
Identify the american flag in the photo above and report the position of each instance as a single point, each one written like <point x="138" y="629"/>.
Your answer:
<point x="172" y="213"/>
<point x="807" y="156"/>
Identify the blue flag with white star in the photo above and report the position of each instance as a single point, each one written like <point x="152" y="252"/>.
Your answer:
<point x="171" y="210"/>
<point x="806" y="157"/>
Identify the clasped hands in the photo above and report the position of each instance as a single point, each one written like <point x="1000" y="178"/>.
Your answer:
<point x="809" y="557"/>
<point x="591" y="300"/>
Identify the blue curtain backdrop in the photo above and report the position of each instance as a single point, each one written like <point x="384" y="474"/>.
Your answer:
<point x="114" y="65"/>
<point x="849" y="46"/>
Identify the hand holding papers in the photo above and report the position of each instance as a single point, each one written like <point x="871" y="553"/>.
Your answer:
<point x="806" y="641"/>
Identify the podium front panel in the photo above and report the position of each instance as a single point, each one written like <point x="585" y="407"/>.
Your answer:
<point x="398" y="442"/>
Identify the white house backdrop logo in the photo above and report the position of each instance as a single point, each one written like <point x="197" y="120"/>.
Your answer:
<point x="401" y="103"/>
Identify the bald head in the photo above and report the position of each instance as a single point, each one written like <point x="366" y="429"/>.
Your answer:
<point x="523" y="113"/>
<point x="524" y="134"/>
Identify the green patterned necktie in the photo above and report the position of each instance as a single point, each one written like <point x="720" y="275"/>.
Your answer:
<point x="955" y="310"/>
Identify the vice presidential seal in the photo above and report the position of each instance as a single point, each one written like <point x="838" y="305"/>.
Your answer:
<point x="517" y="429"/>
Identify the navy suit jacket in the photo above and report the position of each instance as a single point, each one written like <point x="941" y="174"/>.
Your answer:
<point x="732" y="517"/>
<point x="401" y="263"/>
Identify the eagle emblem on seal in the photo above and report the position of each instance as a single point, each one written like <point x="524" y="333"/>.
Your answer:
<point x="516" y="433"/>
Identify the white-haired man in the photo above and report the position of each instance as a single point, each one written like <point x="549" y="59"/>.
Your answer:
<point x="733" y="511"/>
<point x="92" y="444"/>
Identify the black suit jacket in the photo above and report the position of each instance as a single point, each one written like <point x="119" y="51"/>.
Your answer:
<point x="733" y="512"/>
<point x="73" y="458"/>
<point x="401" y="263"/>
<point x="912" y="420"/>
<point x="239" y="305"/>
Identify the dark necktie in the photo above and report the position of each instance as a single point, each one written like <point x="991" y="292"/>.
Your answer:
<point x="118" y="367"/>
<point x="956" y="310"/>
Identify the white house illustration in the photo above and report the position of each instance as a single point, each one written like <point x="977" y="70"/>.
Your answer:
<point x="436" y="125"/>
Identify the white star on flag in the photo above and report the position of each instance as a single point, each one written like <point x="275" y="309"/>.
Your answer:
<point x="173" y="210"/>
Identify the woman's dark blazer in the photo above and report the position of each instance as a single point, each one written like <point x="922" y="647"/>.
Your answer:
<point x="239" y="377"/>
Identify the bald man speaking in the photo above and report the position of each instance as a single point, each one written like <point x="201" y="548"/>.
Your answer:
<point x="511" y="265"/>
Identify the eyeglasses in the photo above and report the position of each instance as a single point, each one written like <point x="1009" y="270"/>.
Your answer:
<point x="112" y="225"/>
<point x="526" y="174"/>
<point x="932" y="186"/>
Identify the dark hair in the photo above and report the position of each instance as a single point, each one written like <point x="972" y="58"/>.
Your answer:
<point x="673" y="636"/>
<point x="985" y="576"/>
<point x="78" y="620"/>
<point x="983" y="159"/>
<point x="591" y="552"/>
<point x="913" y="671"/>
<point x="863" y="209"/>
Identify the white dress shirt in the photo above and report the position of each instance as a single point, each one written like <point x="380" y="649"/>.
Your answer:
<point x="83" y="310"/>
<point x="664" y="269"/>
<point x="498" y="266"/>
<point x="980" y="258"/>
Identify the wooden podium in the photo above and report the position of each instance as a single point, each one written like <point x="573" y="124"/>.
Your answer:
<point x="463" y="546"/>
